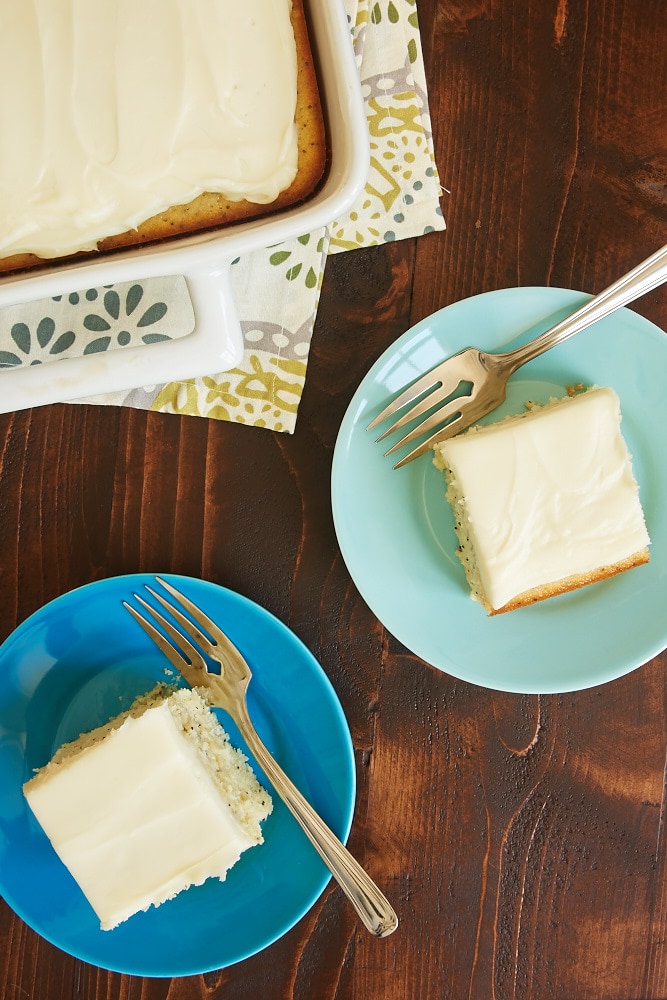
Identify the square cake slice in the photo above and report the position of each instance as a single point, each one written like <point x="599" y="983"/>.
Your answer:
<point x="153" y="802"/>
<point x="544" y="502"/>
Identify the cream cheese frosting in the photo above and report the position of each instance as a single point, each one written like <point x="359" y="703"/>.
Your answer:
<point x="116" y="111"/>
<point x="136" y="816"/>
<point x="548" y="495"/>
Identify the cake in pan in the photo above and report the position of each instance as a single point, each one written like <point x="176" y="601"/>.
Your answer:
<point x="136" y="122"/>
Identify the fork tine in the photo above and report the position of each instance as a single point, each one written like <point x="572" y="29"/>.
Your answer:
<point x="421" y="449"/>
<point x="441" y="416"/>
<point x="206" y="642"/>
<point x="423" y="405"/>
<point x="423" y="384"/>
<point x="455" y="426"/>
<point x="433" y="379"/>
<point x="185" y="650"/>
<point x="215" y="633"/>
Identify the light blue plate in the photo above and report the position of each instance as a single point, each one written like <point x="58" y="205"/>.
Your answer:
<point x="81" y="660"/>
<point x="396" y="531"/>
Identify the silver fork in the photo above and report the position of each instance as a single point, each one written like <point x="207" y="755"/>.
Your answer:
<point x="483" y="377"/>
<point x="228" y="691"/>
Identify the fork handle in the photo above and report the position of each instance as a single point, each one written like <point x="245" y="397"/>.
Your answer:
<point x="374" y="910"/>
<point x="641" y="279"/>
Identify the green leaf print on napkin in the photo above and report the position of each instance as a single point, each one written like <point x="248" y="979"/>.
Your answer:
<point x="285" y="255"/>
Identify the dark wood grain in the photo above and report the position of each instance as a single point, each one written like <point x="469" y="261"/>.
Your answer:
<point x="522" y="839"/>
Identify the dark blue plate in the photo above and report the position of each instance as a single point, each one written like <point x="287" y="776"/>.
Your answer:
<point x="82" y="659"/>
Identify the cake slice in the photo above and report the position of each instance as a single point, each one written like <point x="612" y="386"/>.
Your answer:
<point x="153" y="802"/>
<point x="544" y="502"/>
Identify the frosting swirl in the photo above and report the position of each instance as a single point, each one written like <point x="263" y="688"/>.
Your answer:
<point x="122" y="109"/>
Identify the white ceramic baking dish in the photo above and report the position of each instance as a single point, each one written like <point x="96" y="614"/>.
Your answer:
<point x="216" y="343"/>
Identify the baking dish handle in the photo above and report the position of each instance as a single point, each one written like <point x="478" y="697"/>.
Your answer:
<point x="214" y="346"/>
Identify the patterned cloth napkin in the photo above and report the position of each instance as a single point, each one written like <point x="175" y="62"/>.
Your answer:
<point x="277" y="289"/>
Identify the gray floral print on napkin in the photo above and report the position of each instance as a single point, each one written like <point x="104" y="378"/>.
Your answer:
<point x="95" y="320"/>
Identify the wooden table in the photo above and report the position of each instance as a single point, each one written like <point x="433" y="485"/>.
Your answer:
<point x="521" y="838"/>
